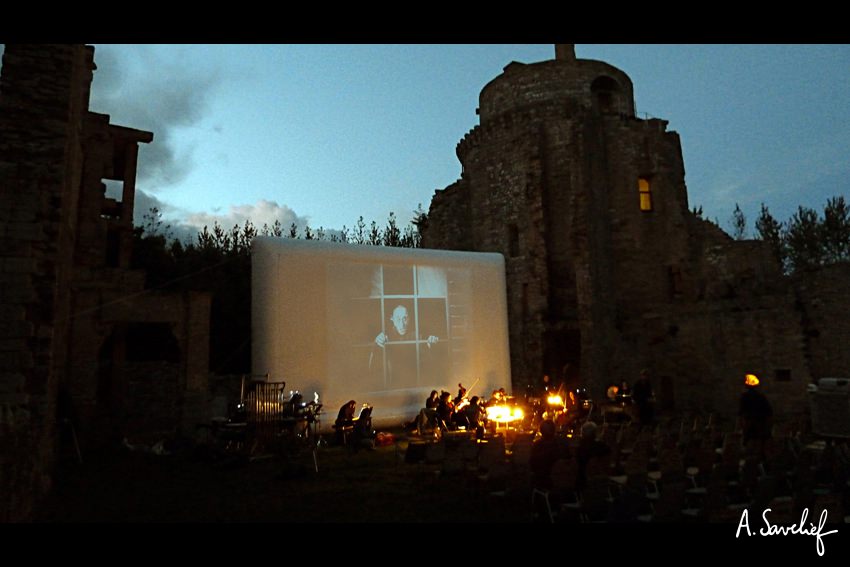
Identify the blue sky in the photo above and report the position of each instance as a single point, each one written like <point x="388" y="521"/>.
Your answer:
<point x="326" y="133"/>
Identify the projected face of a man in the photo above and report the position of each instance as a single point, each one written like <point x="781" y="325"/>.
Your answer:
<point x="399" y="319"/>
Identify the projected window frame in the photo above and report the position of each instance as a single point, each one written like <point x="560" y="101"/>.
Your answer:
<point x="392" y="291"/>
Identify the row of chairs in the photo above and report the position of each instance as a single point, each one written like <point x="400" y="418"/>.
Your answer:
<point x="666" y="476"/>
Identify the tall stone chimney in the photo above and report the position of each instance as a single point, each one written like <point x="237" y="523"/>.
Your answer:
<point x="565" y="51"/>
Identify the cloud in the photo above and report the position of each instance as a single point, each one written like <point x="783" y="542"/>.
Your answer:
<point x="263" y="212"/>
<point x="185" y="225"/>
<point x="141" y="90"/>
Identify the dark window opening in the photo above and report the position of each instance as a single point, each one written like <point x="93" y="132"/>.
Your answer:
<point x="605" y="92"/>
<point x="151" y="341"/>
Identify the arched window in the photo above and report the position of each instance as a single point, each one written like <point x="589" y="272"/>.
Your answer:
<point x="606" y="92"/>
<point x="645" y="191"/>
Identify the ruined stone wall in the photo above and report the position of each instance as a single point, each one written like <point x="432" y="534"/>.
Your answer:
<point x="450" y="212"/>
<point x="64" y="252"/>
<point x="43" y="96"/>
<point x="550" y="180"/>
<point x="822" y="296"/>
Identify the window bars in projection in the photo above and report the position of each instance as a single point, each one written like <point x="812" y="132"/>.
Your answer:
<point x="420" y="326"/>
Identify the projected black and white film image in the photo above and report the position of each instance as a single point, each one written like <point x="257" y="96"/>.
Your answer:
<point x="378" y="325"/>
<point x="398" y="326"/>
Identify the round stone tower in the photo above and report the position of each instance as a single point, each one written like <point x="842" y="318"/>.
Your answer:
<point x="575" y="191"/>
<point x="562" y="82"/>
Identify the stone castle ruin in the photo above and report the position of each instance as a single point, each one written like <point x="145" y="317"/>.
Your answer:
<point x="608" y="271"/>
<point x="88" y="354"/>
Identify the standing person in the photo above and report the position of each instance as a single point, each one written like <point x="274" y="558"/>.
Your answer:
<point x="756" y="416"/>
<point x="642" y="396"/>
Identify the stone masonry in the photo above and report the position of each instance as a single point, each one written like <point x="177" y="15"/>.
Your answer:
<point x="69" y="377"/>
<point x="608" y="271"/>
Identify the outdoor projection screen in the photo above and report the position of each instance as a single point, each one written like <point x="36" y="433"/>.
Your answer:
<point x="378" y="325"/>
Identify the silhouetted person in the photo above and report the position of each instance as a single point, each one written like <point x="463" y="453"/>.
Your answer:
<point x="445" y="409"/>
<point x="428" y="414"/>
<point x="756" y="416"/>
<point x="344" y="418"/>
<point x="544" y="453"/>
<point x="642" y="396"/>
<point x="589" y="448"/>
<point x="475" y="416"/>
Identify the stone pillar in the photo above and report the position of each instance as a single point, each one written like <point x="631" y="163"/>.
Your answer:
<point x="565" y="52"/>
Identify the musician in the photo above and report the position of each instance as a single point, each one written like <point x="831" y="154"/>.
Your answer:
<point x="496" y="398"/>
<point x="475" y="416"/>
<point x="433" y="400"/>
<point x="428" y="414"/>
<point x="445" y="410"/>
<point x="344" y="418"/>
<point x="461" y="394"/>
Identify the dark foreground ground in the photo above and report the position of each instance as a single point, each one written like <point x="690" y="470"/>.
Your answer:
<point x="197" y="485"/>
<point x="368" y="500"/>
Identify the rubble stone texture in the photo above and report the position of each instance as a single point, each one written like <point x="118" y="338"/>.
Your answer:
<point x="551" y="179"/>
<point x="68" y="299"/>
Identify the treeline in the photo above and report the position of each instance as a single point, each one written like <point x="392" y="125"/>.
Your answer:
<point x="218" y="260"/>
<point x="806" y="240"/>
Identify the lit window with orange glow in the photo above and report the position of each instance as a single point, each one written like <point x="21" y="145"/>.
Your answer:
<point x="645" y="194"/>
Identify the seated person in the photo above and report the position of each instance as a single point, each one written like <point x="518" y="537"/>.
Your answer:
<point x="428" y="415"/>
<point x="461" y="394"/>
<point x="344" y="418"/>
<point x="445" y="410"/>
<point x="589" y="448"/>
<point x="496" y="398"/>
<point x="475" y="416"/>
<point x="363" y="427"/>
<point x="544" y="453"/>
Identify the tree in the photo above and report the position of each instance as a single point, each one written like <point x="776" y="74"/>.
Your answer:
<point x="803" y="237"/>
<point x="375" y="236"/>
<point x="359" y="236"/>
<point x="770" y="231"/>
<point x="739" y="224"/>
<point x="836" y="230"/>
<point x="392" y="234"/>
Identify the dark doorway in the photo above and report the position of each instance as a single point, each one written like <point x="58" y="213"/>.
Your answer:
<point x="562" y="357"/>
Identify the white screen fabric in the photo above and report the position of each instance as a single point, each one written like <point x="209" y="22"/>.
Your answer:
<point x="378" y="325"/>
